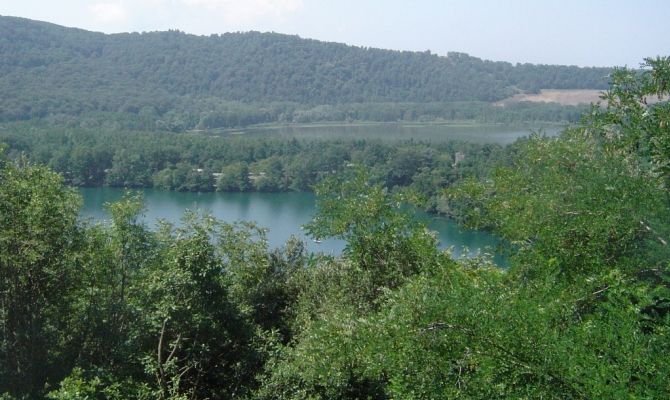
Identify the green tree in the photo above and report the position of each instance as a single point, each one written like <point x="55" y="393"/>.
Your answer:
<point x="384" y="250"/>
<point x="39" y="238"/>
<point x="582" y="312"/>
<point x="382" y="239"/>
<point x="636" y="118"/>
<point x="234" y="178"/>
<point x="195" y="341"/>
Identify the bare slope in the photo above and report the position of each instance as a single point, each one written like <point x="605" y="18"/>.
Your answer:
<point x="566" y="97"/>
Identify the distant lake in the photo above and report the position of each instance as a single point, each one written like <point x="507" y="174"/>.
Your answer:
<point x="281" y="213"/>
<point x="433" y="132"/>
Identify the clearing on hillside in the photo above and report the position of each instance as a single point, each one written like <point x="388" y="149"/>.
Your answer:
<point x="566" y="97"/>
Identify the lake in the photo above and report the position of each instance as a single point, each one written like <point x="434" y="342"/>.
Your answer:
<point x="432" y="132"/>
<point x="281" y="213"/>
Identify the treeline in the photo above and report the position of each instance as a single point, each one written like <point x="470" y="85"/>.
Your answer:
<point x="202" y="163"/>
<point x="216" y="115"/>
<point x="207" y="311"/>
<point x="48" y="70"/>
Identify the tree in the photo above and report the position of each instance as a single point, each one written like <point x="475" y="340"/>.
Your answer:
<point x="636" y="118"/>
<point x="196" y="341"/>
<point x="234" y="178"/>
<point x="581" y="313"/>
<point x="39" y="238"/>
<point x="382" y="239"/>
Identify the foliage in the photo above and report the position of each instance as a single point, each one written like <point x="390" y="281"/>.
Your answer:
<point x="637" y="117"/>
<point x="201" y="163"/>
<point x="76" y="386"/>
<point x="205" y="310"/>
<point x="120" y="312"/>
<point x="385" y="248"/>
<point x="173" y="81"/>
<point x="382" y="240"/>
<point x="581" y="313"/>
<point x="39" y="238"/>
<point x="234" y="178"/>
<point x="568" y="201"/>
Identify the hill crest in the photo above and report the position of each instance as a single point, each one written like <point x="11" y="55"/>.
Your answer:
<point x="49" y="69"/>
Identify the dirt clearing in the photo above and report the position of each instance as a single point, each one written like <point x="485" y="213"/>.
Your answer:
<point x="567" y="97"/>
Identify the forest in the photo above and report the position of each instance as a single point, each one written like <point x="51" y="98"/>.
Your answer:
<point x="175" y="81"/>
<point x="204" y="163"/>
<point x="206" y="310"/>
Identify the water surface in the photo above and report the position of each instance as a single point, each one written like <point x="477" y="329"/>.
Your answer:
<point x="281" y="213"/>
<point x="433" y="132"/>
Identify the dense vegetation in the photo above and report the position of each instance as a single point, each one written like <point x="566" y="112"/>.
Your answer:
<point x="207" y="311"/>
<point x="201" y="163"/>
<point x="171" y="80"/>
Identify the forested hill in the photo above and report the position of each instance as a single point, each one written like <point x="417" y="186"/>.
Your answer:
<point x="47" y="69"/>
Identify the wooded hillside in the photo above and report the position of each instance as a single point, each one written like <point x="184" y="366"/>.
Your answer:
<point x="46" y="69"/>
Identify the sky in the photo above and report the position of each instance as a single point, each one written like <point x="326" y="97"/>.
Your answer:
<point x="572" y="32"/>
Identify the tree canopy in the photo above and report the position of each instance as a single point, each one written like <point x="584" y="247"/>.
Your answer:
<point x="206" y="310"/>
<point x="171" y="76"/>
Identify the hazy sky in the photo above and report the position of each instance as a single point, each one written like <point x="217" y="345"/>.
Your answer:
<point x="581" y="32"/>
